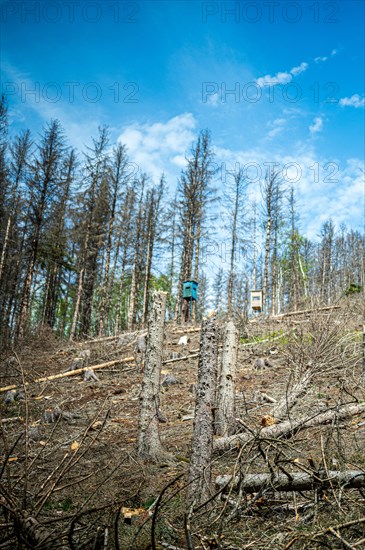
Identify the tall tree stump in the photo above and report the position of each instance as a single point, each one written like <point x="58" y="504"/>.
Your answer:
<point x="202" y="439"/>
<point x="148" y="441"/>
<point x="225" y="423"/>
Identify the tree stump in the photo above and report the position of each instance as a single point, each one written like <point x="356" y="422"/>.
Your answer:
<point x="148" y="441"/>
<point x="202" y="439"/>
<point x="225" y="422"/>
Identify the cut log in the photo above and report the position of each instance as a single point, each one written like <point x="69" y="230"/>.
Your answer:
<point x="288" y="427"/>
<point x="69" y="373"/>
<point x="297" y="481"/>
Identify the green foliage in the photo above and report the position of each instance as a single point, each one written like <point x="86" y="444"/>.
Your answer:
<point x="353" y="289"/>
<point x="65" y="505"/>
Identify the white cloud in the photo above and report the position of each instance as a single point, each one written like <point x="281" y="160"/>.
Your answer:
<point x="320" y="59"/>
<point x="277" y="126"/>
<point x="281" y="77"/>
<point x="317" y="125"/>
<point x="297" y="70"/>
<point x="160" y="146"/>
<point x="353" y="101"/>
<point x="324" y="187"/>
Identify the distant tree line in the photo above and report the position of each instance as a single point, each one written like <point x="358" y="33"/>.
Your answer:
<point x="84" y="240"/>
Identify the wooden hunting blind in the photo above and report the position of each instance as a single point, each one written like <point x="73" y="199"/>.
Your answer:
<point x="190" y="290"/>
<point x="256" y="300"/>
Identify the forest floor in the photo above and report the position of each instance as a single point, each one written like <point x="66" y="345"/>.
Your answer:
<point x="78" y="476"/>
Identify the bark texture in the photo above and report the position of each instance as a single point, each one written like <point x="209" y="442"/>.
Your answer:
<point x="225" y="418"/>
<point x="288" y="427"/>
<point x="297" y="481"/>
<point x="202" y="439"/>
<point x="148" y="442"/>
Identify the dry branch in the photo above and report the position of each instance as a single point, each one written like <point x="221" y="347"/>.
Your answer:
<point x="288" y="427"/>
<point x="269" y="339"/>
<point x="304" y="312"/>
<point x="104" y="339"/>
<point x="186" y="331"/>
<point x="193" y="355"/>
<point x="69" y="373"/>
<point x="289" y="400"/>
<point x="297" y="481"/>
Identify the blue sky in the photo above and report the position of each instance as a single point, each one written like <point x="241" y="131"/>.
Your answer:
<point x="158" y="72"/>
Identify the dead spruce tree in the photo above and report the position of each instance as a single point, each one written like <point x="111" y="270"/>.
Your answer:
<point x="148" y="441"/>
<point x="225" y="411"/>
<point x="202" y="439"/>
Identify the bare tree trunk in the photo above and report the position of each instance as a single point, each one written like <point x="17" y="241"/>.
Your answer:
<point x="148" y="442"/>
<point x="77" y="304"/>
<point x="120" y="293"/>
<point x="266" y="268"/>
<point x="147" y="276"/>
<point x="202" y="439"/>
<point x="254" y="273"/>
<point x="233" y="250"/>
<point x="105" y="283"/>
<point x="133" y="292"/>
<point x="80" y="287"/>
<point x="26" y="298"/>
<point x="225" y="418"/>
<point x="5" y="245"/>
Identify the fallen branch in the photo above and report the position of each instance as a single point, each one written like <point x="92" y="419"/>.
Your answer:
<point x="180" y="358"/>
<point x="69" y="373"/>
<point x="289" y="400"/>
<point x="304" y="312"/>
<point x="12" y="419"/>
<point x="186" y="331"/>
<point x="297" y="481"/>
<point x="287" y="428"/>
<point x="269" y="339"/>
<point x="104" y="339"/>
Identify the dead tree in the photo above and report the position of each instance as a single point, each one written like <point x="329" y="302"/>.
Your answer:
<point x="235" y="196"/>
<point x="202" y="439"/>
<point x="225" y="412"/>
<point x="270" y="194"/>
<point x="148" y="441"/>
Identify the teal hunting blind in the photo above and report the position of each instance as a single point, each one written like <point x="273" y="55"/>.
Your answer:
<point x="256" y="300"/>
<point x="190" y="290"/>
<point x="190" y="296"/>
